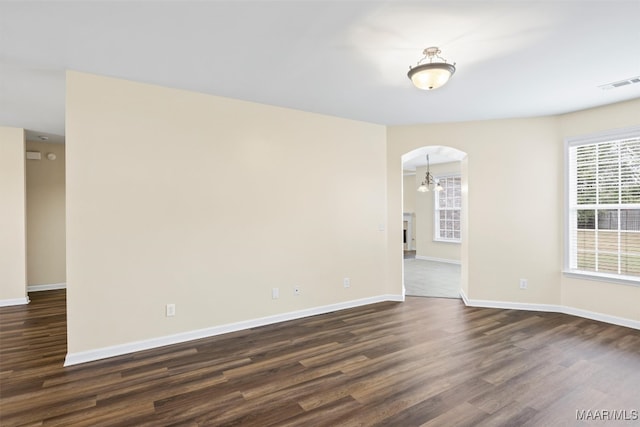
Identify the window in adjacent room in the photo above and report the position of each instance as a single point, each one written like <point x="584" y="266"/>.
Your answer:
<point x="604" y="205"/>
<point x="447" y="209"/>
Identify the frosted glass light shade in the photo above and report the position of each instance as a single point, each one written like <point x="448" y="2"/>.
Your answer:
<point x="432" y="75"/>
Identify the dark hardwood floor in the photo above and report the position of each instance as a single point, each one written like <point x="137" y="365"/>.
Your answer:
<point x="429" y="362"/>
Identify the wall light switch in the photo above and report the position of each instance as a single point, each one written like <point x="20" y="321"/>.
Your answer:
<point x="275" y="293"/>
<point x="171" y="310"/>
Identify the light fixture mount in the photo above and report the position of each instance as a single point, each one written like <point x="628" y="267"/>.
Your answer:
<point x="430" y="52"/>
<point x="433" y="74"/>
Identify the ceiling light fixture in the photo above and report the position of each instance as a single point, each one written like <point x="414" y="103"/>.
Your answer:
<point x="431" y="75"/>
<point x="429" y="181"/>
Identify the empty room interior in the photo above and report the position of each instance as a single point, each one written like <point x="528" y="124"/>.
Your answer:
<point x="307" y="213"/>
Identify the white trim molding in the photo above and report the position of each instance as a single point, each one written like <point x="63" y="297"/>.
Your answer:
<point x="117" y="350"/>
<point x="553" y="308"/>
<point x="14" y="301"/>
<point x="430" y="258"/>
<point x="46" y="287"/>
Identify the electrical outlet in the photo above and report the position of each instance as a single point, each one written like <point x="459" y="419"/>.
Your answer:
<point x="275" y="293"/>
<point x="346" y="282"/>
<point x="171" y="310"/>
<point x="296" y="290"/>
<point x="523" y="284"/>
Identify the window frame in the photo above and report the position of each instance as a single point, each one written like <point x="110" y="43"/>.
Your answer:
<point x="437" y="209"/>
<point x="570" y="142"/>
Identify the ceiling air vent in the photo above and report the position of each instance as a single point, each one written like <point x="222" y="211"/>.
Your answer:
<point x="620" y="83"/>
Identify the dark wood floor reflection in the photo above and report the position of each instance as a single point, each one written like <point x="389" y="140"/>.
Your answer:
<point x="422" y="362"/>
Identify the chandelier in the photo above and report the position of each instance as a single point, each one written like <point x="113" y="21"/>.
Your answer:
<point x="429" y="181"/>
<point x="432" y="74"/>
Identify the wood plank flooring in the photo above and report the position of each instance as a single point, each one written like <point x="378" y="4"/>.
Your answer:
<point x="425" y="362"/>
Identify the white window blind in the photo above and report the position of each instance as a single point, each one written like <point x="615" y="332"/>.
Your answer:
<point x="604" y="206"/>
<point x="448" y="203"/>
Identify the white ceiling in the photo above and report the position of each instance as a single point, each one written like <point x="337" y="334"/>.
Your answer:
<point x="342" y="58"/>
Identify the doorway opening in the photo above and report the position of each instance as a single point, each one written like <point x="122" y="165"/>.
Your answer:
<point x="45" y="213"/>
<point x="434" y="221"/>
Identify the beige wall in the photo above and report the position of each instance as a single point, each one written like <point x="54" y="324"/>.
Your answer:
<point x="178" y="197"/>
<point x="46" y="216"/>
<point x="514" y="182"/>
<point x="409" y="206"/>
<point x="13" y="289"/>
<point x="409" y="195"/>
<point x="464" y="232"/>
<point x="602" y="297"/>
<point x="425" y="244"/>
<point x="167" y="186"/>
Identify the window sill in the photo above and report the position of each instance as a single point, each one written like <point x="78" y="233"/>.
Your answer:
<point x="447" y="241"/>
<point x="602" y="277"/>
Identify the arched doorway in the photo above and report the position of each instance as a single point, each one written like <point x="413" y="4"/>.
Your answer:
<point x="433" y="221"/>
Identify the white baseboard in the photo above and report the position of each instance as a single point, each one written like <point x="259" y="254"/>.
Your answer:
<point x="14" y="301"/>
<point x="117" y="350"/>
<point x="47" y="287"/>
<point x="620" y="321"/>
<point x="445" y="260"/>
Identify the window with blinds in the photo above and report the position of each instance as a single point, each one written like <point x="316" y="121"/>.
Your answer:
<point x="604" y="205"/>
<point x="448" y="203"/>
